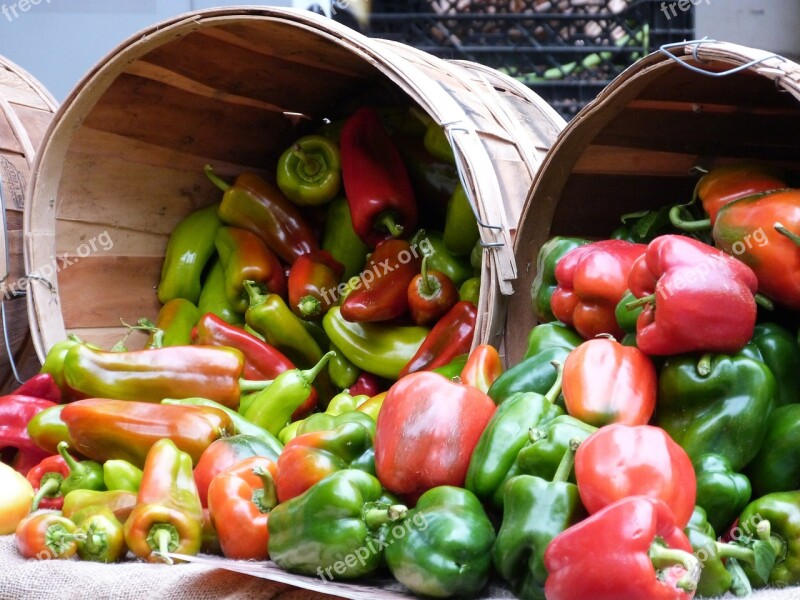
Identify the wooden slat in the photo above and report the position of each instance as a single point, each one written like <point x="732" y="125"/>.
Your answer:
<point x="17" y="91"/>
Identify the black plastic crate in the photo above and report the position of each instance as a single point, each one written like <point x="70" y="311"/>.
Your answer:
<point x="565" y="50"/>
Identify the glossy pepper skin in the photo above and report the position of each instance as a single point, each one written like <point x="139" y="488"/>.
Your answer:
<point x="697" y="299"/>
<point x="245" y="256"/>
<point x="721" y="492"/>
<point x="46" y="479"/>
<point x="702" y="402"/>
<point x="341" y="241"/>
<point x="168" y="516"/>
<point x="457" y="268"/>
<point x="505" y="435"/>
<point x="430" y="295"/>
<point x="105" y="429"/>
<point x="482" y="368"/>
<point x="606" y="382"/>
<point x="240" y="499"/>
<point x="763" y="231"/>
<point x="535" y="511"/>
<point x="152" y="375"/>
<point x="619" y="460"/>
<point x="120" y="502"/>
<point x="190" y="247"/>
<point x="121" y="475"/>
<point x="309" y="171"/>
<point x="544" y="282"/>
<point x="46" y="535"/>
<point x="470" y="290"/>
<point x="383" y="295"/>
<point x="355" y="513"/>
<point x="83" y="475"/>
<point x="445" y="551"/>
<point x="777" y="348"/>
<point x="715" y="579"/>
<point x="104" y="540"/>
<point x="591" y="280"/>
<point x="342" y="372"/>
<point x="631" y="549"/>
<point x="781" y="510"/>
<point x="378" y="348"/>
<point x="175" y="320"/>
<point x="553" y="334"/>
<point x="41" y="385"/>
<point x="54" y="365"/>
<point x="16" y="411"/>
<point x="450" y="337"/>
<point x="377" y="186"/>
<point x="214" y="299"/>
<point x="313" y="282"/>
<point x="461" y="226"/>
<point x="428" y="419"/>
<point x="776" y="467"/>
<point x="259" y="206"/>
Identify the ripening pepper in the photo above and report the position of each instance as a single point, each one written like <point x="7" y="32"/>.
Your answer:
<point x="544" y="282"/>
<point x="190" y="247"/>
<point x="41" y="385"/>
<point x="535" y="511"/>
<point x="721" y="492"/>
<point x="313" y="281"/>
<point x="591" y="280"/>
<point x="695" y="298"/>
<point x="46" y="479"/>
<point x="257" y="205"/>
<point x="104" y="539"/>
<point x="712" y="404"/>
<point x="341" y="241"/>
<point x="175" y="321"/>
<point x="309" y="171"/>
<point x="16" y="495"/>
<point x="377" y="186"/>
<point x="151" y="375"/>
<point x="214" y="299"/>
<point x="631" y="549"/>
<point x="461" y="226"/>
<point x="47" y="535"/>
<point x="245" y="257"/>
<point x="430" y="295"/>
<point x="482" y="368"/>
<point x="776" y="467"/>
<point x="121" y="475"/>
<point x="119" y="502"/>
<point x="354" y="523"/>
<point x="505" y="435"/>
<point x="240" y="499"/>
<point x="372" y="407"/>
<point x="777" y="348"/>
<point x="168" y="516"/>
<point x="445" y="550"/>
<point x="54" y="364"/>
<point x="773" y="518"/>
<point x="431" y="243"/>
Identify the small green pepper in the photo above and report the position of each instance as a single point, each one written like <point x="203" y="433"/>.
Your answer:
<point x="46" y="429"/>
<point x="214" y="298"/>
<point x="553" y="334"/>
<point x="461" y="226"/>
<point x="773" y="345"/>
<point x="105" y="539"/>
<point x="342" y="372"/>
<point x="437" y="144"/>
<point x="310" y="171"/>
<point x="84" y="475"/>
<point x="453" y="369"/>
<point x="544" y="283"/>
<point x="776" y="467"/>
<point x="470" y="290"/>
<point x="721" y="492"/>
<point x="121" y="475"/>
<point x="340" y="239"/>
<point x="175" y="319"/>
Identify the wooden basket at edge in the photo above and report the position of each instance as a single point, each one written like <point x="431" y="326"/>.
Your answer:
<point x="635" y="145"/>
<point x="123" y="160"/>
<point x="26" y="109"/>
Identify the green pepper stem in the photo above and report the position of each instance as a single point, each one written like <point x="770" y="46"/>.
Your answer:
<point x="47" y="489"/>
<point x="764" y="533"/>
<point x="311" y="165"/>
<point x="309" y="306"/>
<point x="267" y="497"/>
<point x="650" y="298"/>
<point x="633" y="215"/>
<point x="664" y="558"/>
<point x="789" y="234"/>
<point x="567" y="462"/>
<point x="96" y="542"/>
<point x="375" y="517"/>
<point x="162" y="538"/>
<point x="704" y="365"/>
<point x="687" y="225"/>
<point x="255" y="292"/>
<point x="74" y="465"/>
<point x="534" y="435"/>
<point x="425" y="285"/>
<point x="58" y="539"/>
<point x="254" y="385"/>
<point x="311" y="374"/>
<point x="764" y="302"/>
<point x="388" y="222"/>
<point x="215" y="179"/>
<point x="740" y="553"/>
<point x="552" y="394"/>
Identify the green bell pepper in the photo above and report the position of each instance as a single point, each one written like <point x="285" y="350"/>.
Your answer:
<point x="721" y="492"/>
<point x="119" y="474"/>
<point x="431" y="244"/>
<point x="775" y="518"/>
<point x="535" y="511"/>
<point x="445" y="546"/>
<point x="553" y="334"/>
<point x="544" y="282"/>
<point x="83" y="475"/>
<point x="717" y="404"/>
<point x="773" y="345"/>
<point x="310" y="171"/>
<point x="341" y="516"/>
<point x="454" y="367"/>
<point x="470" y="290"/>
<point x="776" y="467"/>
<point x="340" y="239"/>
<point x="460" y="227"/>
<point x="626" y="319"/>
<point x="214" y="299"/>
<point x="505" y="435"/>
<point x="715" y="579"/>
<point x="326" y="421"/>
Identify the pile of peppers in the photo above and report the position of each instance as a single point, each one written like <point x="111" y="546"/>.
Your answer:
<point x="314" y="400"/>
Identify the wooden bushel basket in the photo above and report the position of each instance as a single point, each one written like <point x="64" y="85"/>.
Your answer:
<point x="26" y="110"/>
<point x="634" y="147"/>
<point x="123" y="162"/>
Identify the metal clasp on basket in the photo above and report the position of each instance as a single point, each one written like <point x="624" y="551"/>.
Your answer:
<point x="665" y="49"/>
<point x="5" y="274"/>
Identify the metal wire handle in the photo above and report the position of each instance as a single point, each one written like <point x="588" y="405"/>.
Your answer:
<point x="696" y="44"/>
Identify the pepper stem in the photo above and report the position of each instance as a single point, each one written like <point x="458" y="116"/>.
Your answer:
<point x="375" y="517"/>
<point x="704" y="365"/>
<point x="311" y="374"/>
<point x="267" y="497"/>
<point x="96" y="542"/>
<point x="552" y="394"/>
<point x="254" y="385"/>
<point x="162" y="539"/>
<point x="764" y="533"/>
<point x="534" y="435"/>
<point x="388" y="222"/>
<point x="309" y="306"/>
<point x="764" y="302"/>
<point x="48" y="489"/>
<point x="687" y="225"/>
<point x="650" y="298"/>
<point x="58" y="539"/>
<point x="74" y="465"/>
<point x="567" y="462"/>
<point x="789" y="234"/>
<point x="425" y="284"/>
<point x="215" y="179"/>
<point x="311" y="165"/>
<point x="740" y="553"/>
<point x="255" y="292"/>
<point x="664" y="558"/>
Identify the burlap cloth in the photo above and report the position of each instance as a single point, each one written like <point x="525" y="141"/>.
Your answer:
<point x="22" y="579"/>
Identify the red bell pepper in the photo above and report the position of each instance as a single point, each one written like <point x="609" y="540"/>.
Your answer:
<point x="25" y="460"/>
<point x="376" y="182"/>
<point x="240" y="499"/>
<point x="41" y="385"/>
<point x="15" y="413"/>
<point x="606" y="382"/>
<point x="483" y="366"/>
<point x="450" y="337"/>
<point x="591" y="281"/>
<point x="313" y="283"/>
<point x="618" y="460"/>
<point x="427" y="429"/>
<point x="381" y="293"/>
<point x="46" y="478"/>
<point x="430" y="295"/>
<point x="696" y="298"/>
<point x="631" y="549"/>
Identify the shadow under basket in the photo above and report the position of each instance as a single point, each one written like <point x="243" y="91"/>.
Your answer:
<point x="637" y="144"/>
<point x="123" y="162"/>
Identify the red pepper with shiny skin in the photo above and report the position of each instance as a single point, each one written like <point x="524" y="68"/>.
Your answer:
<point x="632" y="549"/>
<point x="696" y="298"/>
<point x="483" y="366"/>
<point x="367" y="384"/>
<point x="15" y="413"/>
<point x="41" y="385"/>
<point x="381" y="294"/>
<point x="430" y="295"/>
<point x="376" y="181"/>
<point x="450" y="337"/>
<point x="46" y="478"/>
<point x="313" y="283"/>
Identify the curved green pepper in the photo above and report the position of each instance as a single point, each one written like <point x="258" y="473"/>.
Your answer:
<point x="176" y="319"/>
<point x="190" y="246"/>
<point x="544" y="283"/>
<point x="431" y="243"/>
<point x="54" y="363"/>
<point x="773" y="345"/>
<point x="46" y="429"/>
<point x="534" y="374"/>
<point x="310" y="171"/>
<point x="721" y="492"/>
<point x="470" y="290"/>
<point x="83" y="475"/>
<point x="437" y="144"/>
<point x="214" y="298"/>
<point x="461" y="226"/>
<point x="342" y="372"/>
<point x="340" y="239"/>
<point x="553" y="334"/>
<point x="119" y="474"/>
<point x="374" y="347"/>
